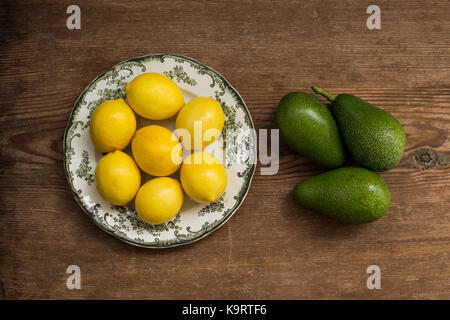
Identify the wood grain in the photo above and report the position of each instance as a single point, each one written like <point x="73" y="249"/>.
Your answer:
<point x="271" y="248"/>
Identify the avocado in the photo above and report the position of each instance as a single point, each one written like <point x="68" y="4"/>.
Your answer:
<point x="308" y="127"/>
<point x="372" y="136"/>
<point x="350" y="195"/>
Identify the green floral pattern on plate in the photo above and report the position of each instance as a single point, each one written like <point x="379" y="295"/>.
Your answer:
<point x="194" y="220"/>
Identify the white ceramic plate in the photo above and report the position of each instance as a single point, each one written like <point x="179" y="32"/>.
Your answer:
<point x="194" y="221"/>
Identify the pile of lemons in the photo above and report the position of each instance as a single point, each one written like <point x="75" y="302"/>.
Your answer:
<point x="156" y="150"/>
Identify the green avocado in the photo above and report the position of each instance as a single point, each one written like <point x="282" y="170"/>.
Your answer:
<point x="308" y="127"/>
<point x="350" y="195"/>
<point x="372" y="136"/>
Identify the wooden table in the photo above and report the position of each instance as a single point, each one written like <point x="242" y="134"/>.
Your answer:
<point x="271" y="248"/>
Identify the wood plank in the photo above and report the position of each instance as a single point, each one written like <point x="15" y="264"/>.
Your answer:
<point x="265" y="49"/>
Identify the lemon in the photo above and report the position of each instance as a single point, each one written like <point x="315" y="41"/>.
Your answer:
<point x="203" y="119"/>
<point x="157" y="150"/>
<point x="203" y="177"/>
<point x="112" y="126"/>
<point x="117" y="178"/>
<point x="158" y="200"/>
<point x="154" y="96"/>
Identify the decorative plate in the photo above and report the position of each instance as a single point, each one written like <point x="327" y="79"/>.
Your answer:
<point x="237" y="145"/>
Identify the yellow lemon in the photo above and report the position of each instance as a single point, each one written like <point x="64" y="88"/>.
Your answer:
<point x="158" y="200"/>
<point x="203" y="177"/>
<point x="112" y="126"/>
<point x="203" y="120"/>
<point x="157" y="150"/>
<point x="117" y="178"/>
<point x="154" y="96"/>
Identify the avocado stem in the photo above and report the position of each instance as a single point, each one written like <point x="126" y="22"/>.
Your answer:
<point x="323" y="93"/>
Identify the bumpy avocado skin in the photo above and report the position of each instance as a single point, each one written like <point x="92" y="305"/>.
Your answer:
<point x="372" y="136"/>
<point x="350" y="195"/>
<point x="308" y="127"/>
